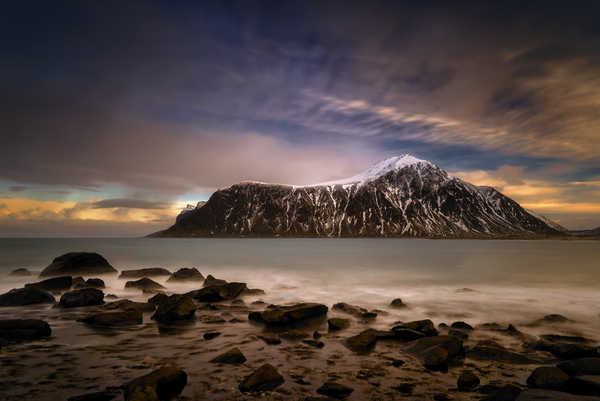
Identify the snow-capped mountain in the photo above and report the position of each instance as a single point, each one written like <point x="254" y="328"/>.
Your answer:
<point x="400" y="196"/>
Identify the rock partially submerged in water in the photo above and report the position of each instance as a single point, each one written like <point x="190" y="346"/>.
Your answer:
<point x="217" y="293"/>
<point x="548" y="377"/>
<point x="175" y="308"/>
<point x="148" y="272"/>
<point x="429" y="350"/>
<point x="210" y="281"/>
<point x="563" y="348"/>
<point x="232" y="357"/>
<point x="20" y="330"/>
<point x="89" y="283"/>
<point x="25" y="296"/>
<point x="489" y="350"/>
<point x="265" y="378"/>
<point x="163" y="384"/>
<point x="397" y="303"/>
<point x="111" y="319"/>
<point x="415" y="329"/>
<point x="145" y="284"/>
<point x="336" y="324"/>
<point x="581" y="367"/>
<point x="126" y="304"/>
<point x="54" y="285"/>
<point x="283" y="315"/>
<point x="83" y="297"/>
<point x="21" y="272"/>
<point x="354" y="310"/>
<point x="335" y="390"/>
<point x="362" y="342"/>
<point x="78" y="263"/>
<point x="467" y="381"/>
<point x="186" y="274"/>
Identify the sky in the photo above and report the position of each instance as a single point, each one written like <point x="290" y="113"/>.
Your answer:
<point x="115" y="115"/>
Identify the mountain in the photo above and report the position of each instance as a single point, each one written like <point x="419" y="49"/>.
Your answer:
<point x="398" y="197"/>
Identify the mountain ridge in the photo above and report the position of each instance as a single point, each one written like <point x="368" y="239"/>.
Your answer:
<point x="399" y="197"/>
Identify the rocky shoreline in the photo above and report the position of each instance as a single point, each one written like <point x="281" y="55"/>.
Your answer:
<point x="65" y="338"/>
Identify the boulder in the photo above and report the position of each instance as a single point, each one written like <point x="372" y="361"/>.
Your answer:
<point x="425" y="348"/>
<point x="549" y="395"/>
<point x="282" y="315"/>
<point x="461" y="326"/>
<point x="158" y="298"/>
<point x="491" y="351"/>
<point x="21" y="272"/>
<point x="232" y="357"/>
<point x="265" y="378"/>
<point x="127" y="305"/>
<point x="78" y="263"/>
<point x="217" y="293"/>
<point x="336" y="324"/>
<point x="354" y="310"/>
<point x="406" y="334"/>
<point x="54" y="285"/>
<point x="504" y="393"/>
<point x="435" y="357"/>
<point x="186" y="274"/>
<point x="566" y="350"/>
<point x="467" y="381"/>
<point x="162" y="384"/>
<point x="110" y="319"/>
<point x="19" y="330"/>
<point x="145" y="284"/>
<point x="335" y="390"/>
<point x="149" y="272"/>
<point x="25" y="296"/>
<point x="175" y="308"/>
<point x="94" y="283"/>
<point x="422" y="326"/>
<point x="210" y="281"/>
<point x="397" y="303"/>
<point x="585" y="385"/>
<point x="363" y="342"/>
<point x="83" y="297"/>
<point x="581" y="366"/>
<point x="548" y="377"/>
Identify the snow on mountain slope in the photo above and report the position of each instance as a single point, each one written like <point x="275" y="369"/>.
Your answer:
<point x="400" y="196"/>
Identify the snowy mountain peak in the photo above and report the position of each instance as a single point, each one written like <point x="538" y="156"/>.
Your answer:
<point x="380" y="169"/>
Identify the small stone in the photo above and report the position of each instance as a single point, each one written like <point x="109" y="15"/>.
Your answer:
<point x="548" y="377"/>
<point x="265" y="378"/>
<point x="336" y="324"/>
<point x="335" y="390"/>
<point x="461" y="326"/>
<point x="210" y="335"/>
<point x="232" y="357"/>
<point x="467" y="381"/>
<point x="397" y="303"/>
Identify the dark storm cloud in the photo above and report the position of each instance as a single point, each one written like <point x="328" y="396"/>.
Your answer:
<point x="129" y="204"/>
<point x="166" y="98"/>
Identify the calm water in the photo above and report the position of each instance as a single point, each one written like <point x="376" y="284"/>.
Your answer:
<point x="513" y="280"/>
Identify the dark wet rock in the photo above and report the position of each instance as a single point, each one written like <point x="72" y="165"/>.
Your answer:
<point x="270" y="339"/>
<point x="83" y="297"/>
<point x="336" y="324"/>
<point x="317" y="335"/>
<point x="581" y="366"/>
<point x="78" y="282"/>
<point x="549" y="395"/>
<point x="335" y="390"/>
<point x="314" y="343"/>
<point x="25" y="296"/>
<point x="175" y="308"/>
<point x="549" y="319"/>
<point x="162" y="384"/>
<point x="158" y="298"/>
<point x="95" y="283"/>
<point x="210" y="281"/>
<point x="422" y="326"/>
<point x="211" y="334"/>
<point x="110" y="319"/>
<point x="491" y="351"/>
<point x="19" y="330"/>
<point x="585" y="385"/>
<point x="253" y="292"/>
<point x="22" y="272"/>
<point x="78" y="263"/>
<point x="259" y="302"/>
<point x="265" y="378"/>
<point x="397" y="363"/>
<point x="232" y="357"/>
<point x="217" y="293"/>
<point x="461" y="326"/>
<point x="363" y="342"/>
<point x="148" y="272"/>
<point x="566" y="339"/>
<point x="428" y="349"/>
<point x="465" y="290"/>
<point x="548" y="377"/>
<point x="353" y="310"/>
<point x="126" y="305"/>
<point x="385" y="335"/>
<point x="566" y="350"/>
<point x="145" y="284"/>
<point x="505" y="393"/>
<point x="186" y="274"/>
<point x="406" y="334"/>
<point x="282" y="315"/>
<point x="458" y="333"/>
<point x="467" y="381"/>
<point x="54" y="285"/>
<point x="106" y="395"/>
<point x="397" y="303"/>
<point x="294" y="335"/>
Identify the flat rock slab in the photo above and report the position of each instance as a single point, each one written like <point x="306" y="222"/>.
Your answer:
<point x="18" y="330"/>
<point x="110" y="319"/>
<point x="148" y="272"/>
<point x="144" y="284"/>
<point x="78" y="264"/>
<point x="217" y="293"/>
<point x="56" y="284"/>
<point x="26" y="296"/>
<point x="282" y="315"/>
<point x="83" y="297"/>
<point x="187" y="274"/>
